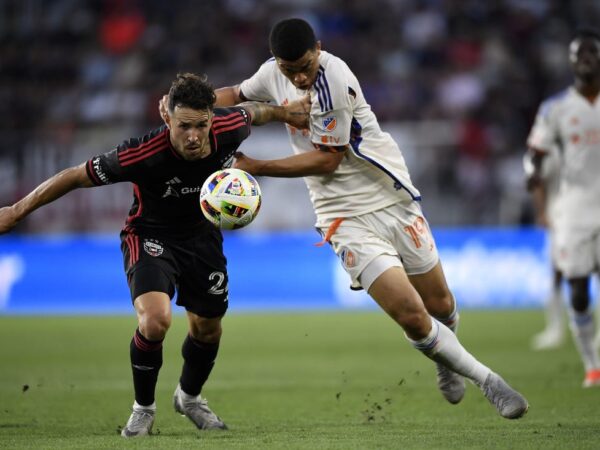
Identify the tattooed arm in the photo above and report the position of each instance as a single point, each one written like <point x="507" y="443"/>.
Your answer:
<point x="294" y="113"/>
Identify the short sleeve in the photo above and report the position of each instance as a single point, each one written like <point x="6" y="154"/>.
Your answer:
<point x="543" y="134"/>
<point x="232" y="124"/>
<point x="105" y="169"/>
<point x="331" y="109"/>
<point x="258" y="87"/>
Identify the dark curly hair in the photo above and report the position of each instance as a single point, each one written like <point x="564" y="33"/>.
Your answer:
<point x="587" y="31"/>
<point x="191" y="91"/>
<point x="290" y="39"/>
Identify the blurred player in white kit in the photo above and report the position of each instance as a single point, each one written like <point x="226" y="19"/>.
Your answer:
<point x="571" y="120"/>
<point x="545" y="195"/>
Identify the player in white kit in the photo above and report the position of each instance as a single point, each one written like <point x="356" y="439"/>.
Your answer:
<point x="571" y="120"/>
<point x="365" y="203"/>
<point x="545" y="202"/>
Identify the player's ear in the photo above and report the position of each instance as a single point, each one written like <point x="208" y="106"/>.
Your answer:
<point x="166" y="119"/>
<point x="163" y="107"/>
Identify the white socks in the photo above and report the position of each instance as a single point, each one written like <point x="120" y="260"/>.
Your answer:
<point x="442" y="345"/>
<point x="452" y="320"/>
<point x="138" y="407"/>
<point x="555" y="306"/>
<point x="583" y="329"/>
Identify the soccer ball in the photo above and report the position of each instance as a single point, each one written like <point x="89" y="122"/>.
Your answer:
<point x="230" y="198"/>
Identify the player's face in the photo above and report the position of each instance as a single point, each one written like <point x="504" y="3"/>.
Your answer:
<point x="189" y="132"/>
<point x="302" y="72"/>
<point x="584" y="54"/>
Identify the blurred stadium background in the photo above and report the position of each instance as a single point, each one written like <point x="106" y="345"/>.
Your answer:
<point x="456" y="82"/>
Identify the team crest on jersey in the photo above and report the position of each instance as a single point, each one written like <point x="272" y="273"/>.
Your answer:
<point x="153" y="247"/>
<point x="330" y="123"/>
<point x="348" y="258"/>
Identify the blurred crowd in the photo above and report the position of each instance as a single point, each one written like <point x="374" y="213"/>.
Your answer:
<point x="459" y="80"/>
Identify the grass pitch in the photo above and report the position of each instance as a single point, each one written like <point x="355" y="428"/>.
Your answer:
<point x="324" y="380"/>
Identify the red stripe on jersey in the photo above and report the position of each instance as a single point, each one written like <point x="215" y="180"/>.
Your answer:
<point x="228" y="123"/>
<point x="142" y="156"/>
<point x="232" y="127"/>
<point x="143" y="145"/>
<point x="138" y="213"/>
<point x="227" y="117"/>
<point x="92" y="172"/>
<point x="139" y="151"/>
<point x="214" y="141"/>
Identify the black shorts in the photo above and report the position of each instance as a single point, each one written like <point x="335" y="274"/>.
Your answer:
<point x="195" y="268"/>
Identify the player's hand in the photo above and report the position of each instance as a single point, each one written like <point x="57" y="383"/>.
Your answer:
<point x="246" y="163"/>
<point x="298" y="112"/>
<point x="8" y="219"/>
<point x="163" y="107"/>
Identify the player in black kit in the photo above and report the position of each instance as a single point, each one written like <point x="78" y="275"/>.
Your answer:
<point x="168" y="246"/>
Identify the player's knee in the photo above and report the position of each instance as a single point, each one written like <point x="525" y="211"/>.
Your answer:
<point x="580" y="296"/>
<point x="208" y="336"/>
<point x="580" y="300"/>
<point x="155" y="326"/>
<point x="416" y="324"/>
<point x="441" y="304"/>
<point x="207" y="330"/>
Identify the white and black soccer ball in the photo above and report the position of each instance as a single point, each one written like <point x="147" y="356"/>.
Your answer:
<point x="230" y="198"/>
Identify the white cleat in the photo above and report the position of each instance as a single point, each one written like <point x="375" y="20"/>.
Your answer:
<point x="509" y="403"/>
<point x="451" y="384"/>
<point x="548" y="339"/>
<point x="196" y="409"/>
<point x="140" y="422"/>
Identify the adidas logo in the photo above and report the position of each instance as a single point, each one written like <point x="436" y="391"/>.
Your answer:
<point x="170" y="190"/>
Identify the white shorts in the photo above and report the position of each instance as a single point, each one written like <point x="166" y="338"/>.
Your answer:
<point x="397" y="235"/>
<point x="578" y="251"/>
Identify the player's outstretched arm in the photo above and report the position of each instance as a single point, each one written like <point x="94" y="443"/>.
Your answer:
<point x="50" y="190"/>
<point x="295" y="113"/>
<point x="317" y="162"/>
<point x="229" y="96"/>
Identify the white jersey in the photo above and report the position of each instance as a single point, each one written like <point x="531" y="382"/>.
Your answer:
<point x="571" y="122"/>
<point x="372" y="174"/>
<point x="550" y="174"/>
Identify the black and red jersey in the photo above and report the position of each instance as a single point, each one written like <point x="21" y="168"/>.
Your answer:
<point x="166" y="187"/>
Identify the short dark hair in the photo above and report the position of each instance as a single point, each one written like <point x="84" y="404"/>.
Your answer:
<point x="587" y="32"/>
<point x="191" y="91"/>
<point x="291" y="38"/>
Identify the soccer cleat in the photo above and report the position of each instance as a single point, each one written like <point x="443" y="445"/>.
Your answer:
<point x="140" y="422"/>
<point x="509" y="403"/>
<point x="592" y="378"/>
<point x="196" y="409"/>
<point x="548" y="339"/>
<point x="451" y="384"/>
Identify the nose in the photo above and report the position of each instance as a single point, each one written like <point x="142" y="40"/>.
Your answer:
<point x="193" y="136"/>
<point x="300" y="78"/>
